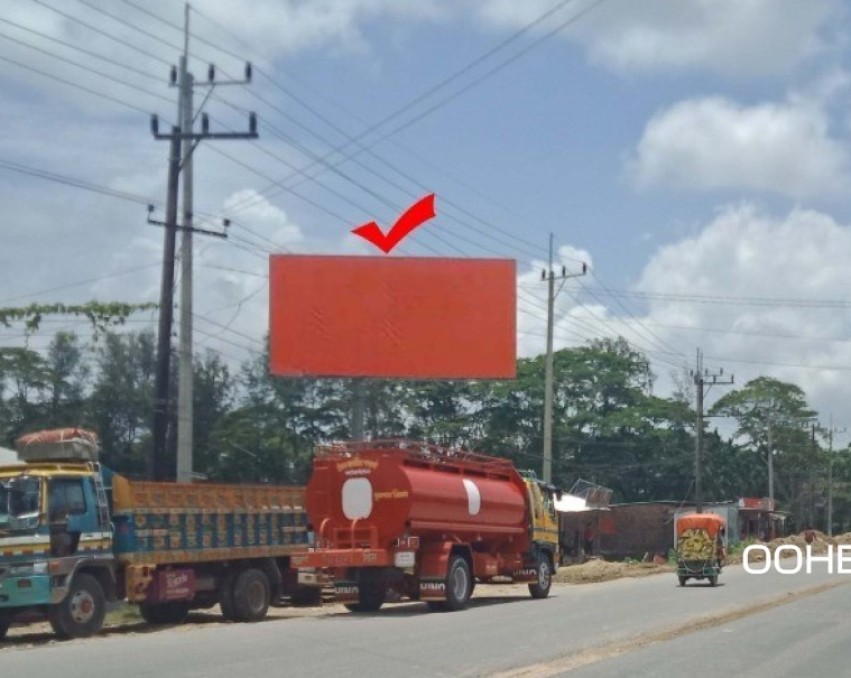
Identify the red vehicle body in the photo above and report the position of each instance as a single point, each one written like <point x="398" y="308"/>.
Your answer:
<point x="426" y="522"/>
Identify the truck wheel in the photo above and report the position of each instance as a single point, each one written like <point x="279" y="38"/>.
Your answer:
<point x="544" y="574"/>
<point x="226" y="596"/>
<point x="458" y="584"/>
<point x="251" y="595"/>
<point x="174" y="612"/>
<point x="713" y="580"/>
<point x="372" y="590"/>
<point x="682" y="580"/>
<point x="371" y="596"/>
<point x="4" y="628"/>
<point x="82" y="612"/>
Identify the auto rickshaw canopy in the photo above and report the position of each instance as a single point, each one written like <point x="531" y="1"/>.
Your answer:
<point x="710" y="522"/>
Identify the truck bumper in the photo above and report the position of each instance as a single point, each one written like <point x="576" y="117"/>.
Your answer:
<point x="25" y="591"/>
<point x="333" y="558"/>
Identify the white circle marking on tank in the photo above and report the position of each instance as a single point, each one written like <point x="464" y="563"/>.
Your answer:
<point x="357" y="498"/>
<point x="474" y="497"/>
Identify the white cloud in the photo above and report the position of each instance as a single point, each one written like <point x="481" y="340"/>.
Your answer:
<point x="733" y="37"/>
<point x="271" y="222"/>
<point x="745" y="254"/>
<point x="714" y="143"/>
<point x="277" y="28"/>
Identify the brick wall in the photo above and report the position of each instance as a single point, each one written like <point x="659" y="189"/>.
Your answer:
<point x="639" y="529"/>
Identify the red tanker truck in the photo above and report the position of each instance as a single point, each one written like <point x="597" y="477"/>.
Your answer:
<point x="426" y="522"/>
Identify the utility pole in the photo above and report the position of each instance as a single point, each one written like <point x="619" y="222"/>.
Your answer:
<point x="830" y="433"/>
<point x="184" y="133"/>
<point x="160" y="427"/>
<point x="185" y="367"/>
<point x="771" y="470"/>
<point x="550" y="276"/>
<point x="702" y="380"/>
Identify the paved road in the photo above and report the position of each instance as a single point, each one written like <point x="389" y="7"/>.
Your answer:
<point x="506" y="634"/>
<point x="808" y="637"/>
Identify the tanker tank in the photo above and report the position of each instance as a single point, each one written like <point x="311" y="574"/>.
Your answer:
<point x="386" y="491"/>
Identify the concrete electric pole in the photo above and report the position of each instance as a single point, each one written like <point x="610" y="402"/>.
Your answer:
<point x="184" y="134"/>
<point x="702" y="380"/>
<point x="550" y="276"/>
<point x="185" y="367"/>
<point x="829" y="516"/>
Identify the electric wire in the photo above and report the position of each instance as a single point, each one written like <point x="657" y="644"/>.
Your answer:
<point x="103" y="33"/>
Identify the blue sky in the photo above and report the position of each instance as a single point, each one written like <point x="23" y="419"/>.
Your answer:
<point x="695" y="154"/>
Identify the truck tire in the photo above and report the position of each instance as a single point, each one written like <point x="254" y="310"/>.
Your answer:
<point x="458" y="584"/>
<point x="82" y="612"/>
<point x="226" y="595"/>
<point x="4" y="628"/>
<point x="544" y="573"/>
<point x="251" y="595"/>
<point x="372" y="592"/>
<point x="174" y="612"/>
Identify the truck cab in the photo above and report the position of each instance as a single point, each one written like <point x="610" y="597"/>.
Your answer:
<point x="544" y="530"/>
<point x="56" y="557"/>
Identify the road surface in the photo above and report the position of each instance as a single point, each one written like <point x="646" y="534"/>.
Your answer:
<point x="597" y="629"/>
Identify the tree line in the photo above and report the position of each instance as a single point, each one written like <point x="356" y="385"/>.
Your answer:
<point x="608" y="425"/>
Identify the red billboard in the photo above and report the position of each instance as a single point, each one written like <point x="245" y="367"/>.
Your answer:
<point x="397" y="317"/>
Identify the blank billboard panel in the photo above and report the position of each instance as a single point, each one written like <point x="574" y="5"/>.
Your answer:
<point x="396" y="317"/>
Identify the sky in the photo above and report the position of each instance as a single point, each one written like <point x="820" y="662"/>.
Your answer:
<point x="695" y="155"/>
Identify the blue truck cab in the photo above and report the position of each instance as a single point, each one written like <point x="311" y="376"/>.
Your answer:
<point x="56" y="558"/>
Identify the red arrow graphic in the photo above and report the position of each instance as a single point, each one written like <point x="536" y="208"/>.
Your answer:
<point x="418" y="213"/>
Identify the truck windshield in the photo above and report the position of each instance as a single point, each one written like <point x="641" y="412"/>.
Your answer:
<point x="19" y="503"/>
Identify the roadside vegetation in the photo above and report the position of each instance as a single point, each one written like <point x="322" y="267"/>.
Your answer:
<point x="609" y="425"/>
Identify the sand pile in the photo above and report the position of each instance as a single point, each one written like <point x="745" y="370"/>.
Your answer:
<point x="840" y="539"/>
<point x="601" y="570"/>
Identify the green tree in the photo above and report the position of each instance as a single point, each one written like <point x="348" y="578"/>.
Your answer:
<point x="213" y="395"/>
<point x="24" y="383"/>
<point x="121" y="402"/>
<point x="773" y="417"/>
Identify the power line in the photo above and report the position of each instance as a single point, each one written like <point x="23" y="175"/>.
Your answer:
<point x="549" y="34"/>
<point x="80" y="283"/>
<point x="103" y="33"/>
<point x="126" y="23"/>
<point x="69" y="45"/>
<point x="84" y="67"/>
<point x="395" y="169"/>
<point x="75" y="85"/>
<point x="734" y="300"/>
